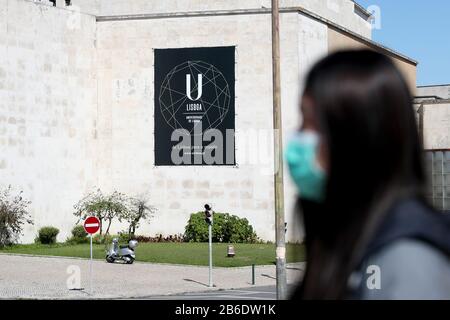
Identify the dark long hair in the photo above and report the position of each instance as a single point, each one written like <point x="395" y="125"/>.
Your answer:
<point x="365" y="115"/>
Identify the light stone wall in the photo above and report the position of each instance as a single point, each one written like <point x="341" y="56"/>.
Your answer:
<point x="436" y="125"/>
<point x="47" y="109"/>
<point x="76" y="106"/>
<point x="125" y="55"/>
<point x="126" y="101"/>
<point x="341" y="12"/>
<point x="442" y="91"/>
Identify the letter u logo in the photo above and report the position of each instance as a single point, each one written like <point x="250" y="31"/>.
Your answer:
<point x="199" y="87"/>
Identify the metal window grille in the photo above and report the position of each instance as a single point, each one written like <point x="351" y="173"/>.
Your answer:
<point x="438" y="167"/>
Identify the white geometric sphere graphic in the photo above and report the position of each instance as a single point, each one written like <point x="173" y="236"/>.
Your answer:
<point x="215" y="98"/>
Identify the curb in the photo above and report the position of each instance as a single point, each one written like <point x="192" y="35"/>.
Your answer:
<point x="138" y="262"/>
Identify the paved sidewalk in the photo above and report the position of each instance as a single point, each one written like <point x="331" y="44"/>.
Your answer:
<point x="32" y="277"/>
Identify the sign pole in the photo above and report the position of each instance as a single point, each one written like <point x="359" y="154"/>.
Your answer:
<point x="90" y="268"/>
<point x="210" y="256"/>
<point x="91" y="225"/>
<point x="278" y="157"/>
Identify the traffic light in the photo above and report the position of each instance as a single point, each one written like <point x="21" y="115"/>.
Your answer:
<point x="208" y="214"/>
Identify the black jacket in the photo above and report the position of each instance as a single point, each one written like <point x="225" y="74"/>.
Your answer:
<point x="406" y="219"/>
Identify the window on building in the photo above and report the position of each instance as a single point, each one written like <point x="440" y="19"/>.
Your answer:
<point x="438" y="167"/>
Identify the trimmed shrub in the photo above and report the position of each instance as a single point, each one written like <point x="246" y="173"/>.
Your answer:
<point x="225" y="228"/>
<point x="79" y="235"/>
<point x="47" y="235"/>
<point x="124" y="237"/>
<point x="79" y="232"/>
<point x="239" y="230"/>
<point x="103" y="239"/>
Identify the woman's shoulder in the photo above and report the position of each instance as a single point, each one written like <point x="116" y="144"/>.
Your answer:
<point x="408" y="269"/>
<point x="409" y="255"/>
<point x="412" y="219"/>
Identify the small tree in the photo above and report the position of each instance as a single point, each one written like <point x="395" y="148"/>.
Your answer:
<point x="115" y="207"/>
<point x="139" y="209"/>
<point x="105" y="208"/>
<point x="90" y="205"/>
<point x="13" y="215"/>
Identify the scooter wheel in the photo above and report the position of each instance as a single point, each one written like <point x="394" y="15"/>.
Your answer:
<point x="130" y="261"/>
<point x="109" y="259"/>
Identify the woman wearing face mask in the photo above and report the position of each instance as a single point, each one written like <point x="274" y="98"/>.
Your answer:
<point x="357" y="164"/>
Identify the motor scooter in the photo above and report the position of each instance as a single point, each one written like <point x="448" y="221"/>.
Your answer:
<point x="123" y="252"/>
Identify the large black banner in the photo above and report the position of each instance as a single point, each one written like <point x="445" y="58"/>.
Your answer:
<point x="194" y="106"/>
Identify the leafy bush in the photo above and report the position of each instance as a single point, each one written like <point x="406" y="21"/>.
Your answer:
<point x="79" y="235"/>
<point x="103" y="238"/>
<point x="47" y="235"/>
<point x="13" y="215"/>
<point x="79" y="232"/>
<point x="239" y="230"/>
<point x="225" y="228"/>
<point x="124" y="237"/>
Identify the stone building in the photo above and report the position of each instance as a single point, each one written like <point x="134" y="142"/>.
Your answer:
<point x="77" y="100"/>
<point x="433" y="112"/>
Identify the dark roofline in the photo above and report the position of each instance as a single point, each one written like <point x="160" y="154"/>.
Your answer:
<point x="426" y="97"/>
<point x="437" y="101"/>
<point x="436" y="85"/>
<point x="362" y="10"/>
<point x="356" y="36"/>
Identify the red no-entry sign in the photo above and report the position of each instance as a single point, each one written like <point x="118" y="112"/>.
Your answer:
<point x="91" y="225"/>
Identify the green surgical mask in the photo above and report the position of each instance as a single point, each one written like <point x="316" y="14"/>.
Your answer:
<point x="301" y="155"/>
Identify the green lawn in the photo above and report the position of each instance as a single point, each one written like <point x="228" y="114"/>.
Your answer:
<point x="177" y="253"/>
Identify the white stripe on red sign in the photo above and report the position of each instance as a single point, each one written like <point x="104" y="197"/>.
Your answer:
<point x="91" y="225"/>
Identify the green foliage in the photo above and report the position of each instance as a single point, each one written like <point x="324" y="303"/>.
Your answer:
<point x="106" y="239"/>
<point x="225" y="228"/>
<point x="197" y="229"/>
<point x="103" y="238"/>
<point x="47" y="235"/>
<point x="105" y="207"/>
<point x="79" y="232"/>
<point x="114" y="206"/>
<point x="124" y="237"/>
<point x="159" y="238"/>
<point x="13" y="215"/>
<point x="239" y="230"/>
<point x="138" y="209"/>
<point x="79" y="235"/>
